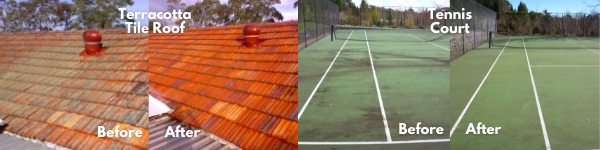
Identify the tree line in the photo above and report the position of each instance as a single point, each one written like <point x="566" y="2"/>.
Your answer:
<point x="525" y="21"/>
<point x="379" y="16"/>
<point x="46" y="15"/>
<point x="207" y="13"/>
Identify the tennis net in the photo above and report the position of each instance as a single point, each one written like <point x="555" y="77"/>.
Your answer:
<point x="549" y="42"/>
<point x="386" y="34"/>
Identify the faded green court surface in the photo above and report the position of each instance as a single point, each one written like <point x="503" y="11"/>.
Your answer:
<point x="566" y="77"/>
<point x="340" y="105"/>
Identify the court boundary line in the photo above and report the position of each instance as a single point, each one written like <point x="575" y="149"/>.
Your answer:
<point x="429" y="42"/>
<point x="537" y="100"/>
<point x="565" y="65"/>
<point x="413" y="59"/>
<point x="583" y="47"/>
<point x="327" y="71"/>
<point x="477" y="90"/>
<point x="375" y="142"/>
<point x="385" y="123"/>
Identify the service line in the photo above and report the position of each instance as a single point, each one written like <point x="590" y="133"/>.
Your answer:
<point x="537" y="100"/>
<point x="385" y="123"/>
<point x="429" y="42"/>
<point x="318" y="84"/>
<point x="474" y="94"/>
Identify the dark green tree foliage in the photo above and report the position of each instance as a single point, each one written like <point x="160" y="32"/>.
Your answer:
<point x="522" y="7"/>
<point x="389" y="18"/>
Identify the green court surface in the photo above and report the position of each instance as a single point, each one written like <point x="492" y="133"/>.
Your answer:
<point x="497" y="86"/>
<point x="347" y="106"/>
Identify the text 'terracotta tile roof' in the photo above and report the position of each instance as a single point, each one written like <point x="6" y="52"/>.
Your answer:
<point x="49" y="92"/>
<point x="246" y="96"/>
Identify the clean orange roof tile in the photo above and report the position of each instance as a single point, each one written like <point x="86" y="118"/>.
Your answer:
<point x="237" y="93"/>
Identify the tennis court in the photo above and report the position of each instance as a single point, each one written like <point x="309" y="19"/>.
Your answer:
<point x="356" y="89"/>
<point x="542" y="91"/>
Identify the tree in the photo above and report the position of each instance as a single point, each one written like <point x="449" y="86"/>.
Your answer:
<point x="364" y="13"/>
<point x="100" y="14"/>
<point x="522" y="7"/>
<point x="374" y="13"/>
<point x="252" y="11"/>
<point x="208" y="13"/>
<point x="175" y="5"/>
<point x="390" y="20"/>
<point x="64" y="12"/>
<point x="296" y="4"/>
<point x="409" y="22"/>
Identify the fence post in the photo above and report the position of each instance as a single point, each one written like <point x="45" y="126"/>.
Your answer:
<point x="323" y="12"/>
<point x="304" y="22"/>
<point x="563" y="24"/>
<point x="316" y="20"/>
<point x="463" y="33"/>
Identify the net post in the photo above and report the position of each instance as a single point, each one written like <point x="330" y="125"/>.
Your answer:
<point x="490" y="39"/>
<point x="332" y="32"/>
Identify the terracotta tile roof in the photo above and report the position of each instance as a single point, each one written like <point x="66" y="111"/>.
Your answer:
<point x="49" y="92"/>
<point x="246" y="96"/>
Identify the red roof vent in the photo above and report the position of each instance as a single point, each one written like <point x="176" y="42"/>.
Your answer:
<point x="93" y="46"/>
<point x="251" y="32"/>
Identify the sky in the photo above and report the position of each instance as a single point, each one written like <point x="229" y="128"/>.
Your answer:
<point x="556" y="6"/>
<point x="407" y="3"/>
<point x="286" y="7"/>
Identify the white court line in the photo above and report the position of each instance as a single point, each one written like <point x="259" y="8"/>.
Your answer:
<point x="318" y="84"/>
<point x="387" y="129"/>
<point x="411" y="59"/>
<point x="429" y="42"/>
<point x="583" y="47"/>
<point x="474" y="94"/>
<point x="537" y="100"/>
<point x="565" y="65"/>
<point x="376" y="142"/>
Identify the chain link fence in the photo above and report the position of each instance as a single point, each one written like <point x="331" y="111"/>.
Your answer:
<point x="483" y="21"/>
<point x="315" y="18"/>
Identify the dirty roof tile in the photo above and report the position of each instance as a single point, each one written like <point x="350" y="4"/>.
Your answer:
<point x="54" y="94"/>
